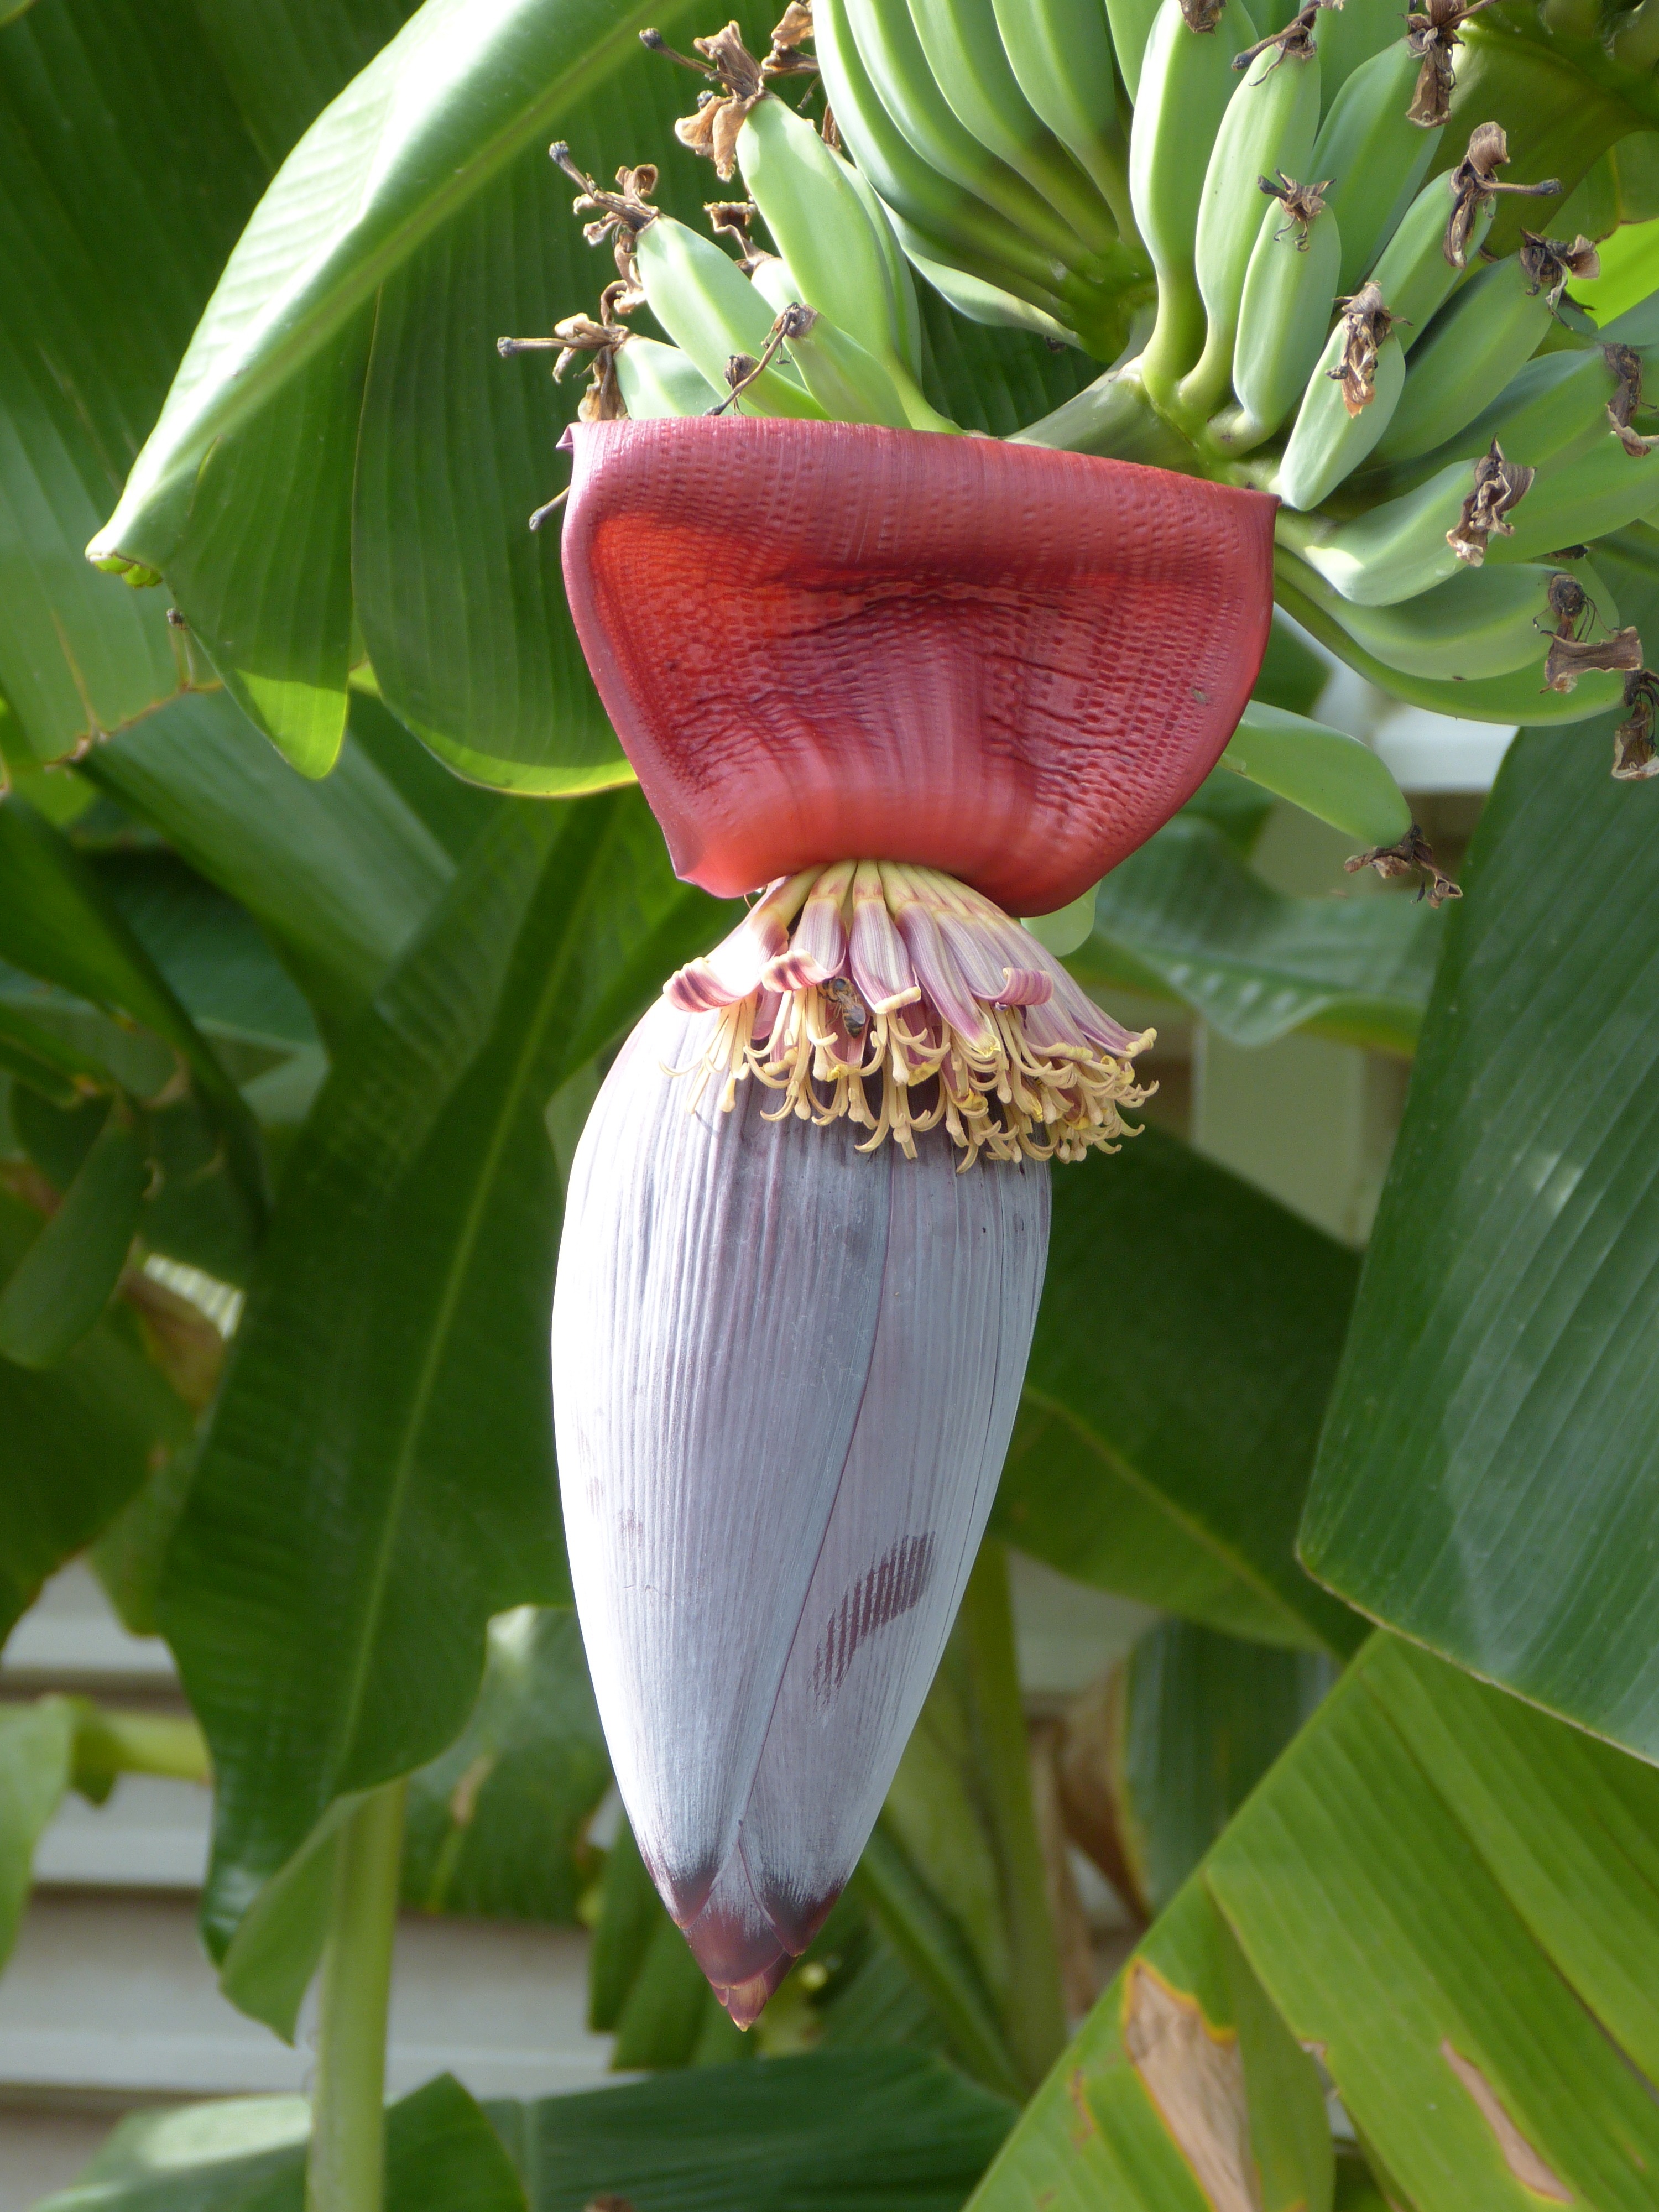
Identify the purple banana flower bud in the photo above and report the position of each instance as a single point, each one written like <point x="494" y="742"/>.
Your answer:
<point x="787" y="1356"/>
<point x="785" y="1376"/>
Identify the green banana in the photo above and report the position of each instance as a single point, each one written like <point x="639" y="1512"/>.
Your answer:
<point x="986" y="303"/>
<point x="1392" y="552"/>
<point x="823" y="231"/>
<point x="659" y="379"/>
<point x="1481" y="622"/>
<point x="1186" y="81"/>
<point x="1375" y="158"/>
<point x="897" y="68"/>
<point x="1328" y="442"/>
<point x="710" y="310"/>
<point x="1578" y="497"/>
<point x="1349" y="36"/>
<point x="907" y="312"/>
<point x="1554" y="407"/>
<point x="850" y="384"/>
<point x="1268" y="125"/>
<point x="1412" y="271"/>
<point x="1061" y="52"/>
<point x="1519" y="697"/>
<point x="963" y="49"/>
<point x="1323" y="771"/>
<point x="953" y="225"/>
<point x="1283" y="319"/>
<point x="1470" y="351"/>
<point x="1131" y="23"/>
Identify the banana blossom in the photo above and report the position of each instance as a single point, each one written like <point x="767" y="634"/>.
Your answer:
<point x="904" y="683"/>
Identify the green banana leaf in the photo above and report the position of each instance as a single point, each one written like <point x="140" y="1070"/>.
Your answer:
<point x="880" y="2132"/>
<point x="1203" y="1716"/>
<point x="58" y="923"/>
<point x="62" y="1284"/>
<point x="1431" y="1893"/>
<point x="80" y="1437"/>
<point x="496" y="1825"/>
<point x="36" y="1755"/>
<point x="1186" y="918"/>
<point x="247" y="2154"/>
<point x="338" y="876"/>
<point x="1485" y="1479"/>
<point x="389" y="1375"/>
<point x="892" y="2131"/>
<point x="1187" y="1339"/>
<point x="207" y="947"/>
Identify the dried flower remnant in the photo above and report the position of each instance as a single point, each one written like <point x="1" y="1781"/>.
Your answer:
<point x="1303" y="204"/>
<point x="1627" y="401"/>
<point x="789" y="34"/>
<point x="1569" y="657"/>
<point x="1366" y="324"/>
<point x="1201" y="14"/>
<point x="1295" y="42"/>
<point x="1474" y="188"/>
<point x="1412" y="856"/>
<point x="1499" y="485"/>
<point x="1634" y="759"/>
<point x="902" y="1002"/>
<point x="1432" y="36"/>
<point x="720" y="114"/>
<point x="1548" y="263"/>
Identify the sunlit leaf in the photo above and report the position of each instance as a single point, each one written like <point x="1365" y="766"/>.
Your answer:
<point x="1485" y="1481"/>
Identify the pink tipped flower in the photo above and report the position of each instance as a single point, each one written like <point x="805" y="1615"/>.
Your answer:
<point x="807" y="1225"/>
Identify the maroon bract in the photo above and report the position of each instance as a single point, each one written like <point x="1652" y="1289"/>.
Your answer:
<point x="824" y="639"/>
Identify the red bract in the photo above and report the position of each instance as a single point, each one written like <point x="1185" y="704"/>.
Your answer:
<point x="819" y="639"/>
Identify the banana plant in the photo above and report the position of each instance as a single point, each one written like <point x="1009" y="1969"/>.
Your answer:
<point x="921" y="570"/>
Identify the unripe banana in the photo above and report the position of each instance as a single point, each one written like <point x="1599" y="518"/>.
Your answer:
<point x="823" y="231"/>
<point x="1186" y="79"/>
<point x="1283" y="320"/>
<point x="1328" y="773"/>
<point x="907" y="310"/>
<point x="1412" y="271"/>
<point x="1131" y="22"/>
<point x="1393" y="551"/>
<point x="1551" y="409"/>
<point x="1375" y="158"/>
<point x="710" y="310"/>
<point x="1348" y="37"/>
<point x="953" y="225"/>
<point x="1481" y="622"/>
<point x="1518" y="696"/>
<point x="986" y="303"/>
<point x="659" y="381"/>
<point x="850" y="384"/>
<point x="1580" y="496"/>
<point x="1473" y="347"/>
<point x="897" y="68"/>
<point x="1061" y="52"/>
<point x="965" y="52"/>
<point x="1268" y="125"/>
<point x="1345" y="409"/>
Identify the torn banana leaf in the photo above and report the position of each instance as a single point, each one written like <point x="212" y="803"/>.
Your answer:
<point x="1440" y="1899"/>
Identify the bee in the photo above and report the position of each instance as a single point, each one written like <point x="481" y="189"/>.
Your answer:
<point x="847" y="1004"/>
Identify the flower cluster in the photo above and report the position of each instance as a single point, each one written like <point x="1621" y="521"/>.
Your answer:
<point x="903" y="1001"/>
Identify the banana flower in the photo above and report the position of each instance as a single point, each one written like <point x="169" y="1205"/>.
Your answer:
<point x="902" y="684"/>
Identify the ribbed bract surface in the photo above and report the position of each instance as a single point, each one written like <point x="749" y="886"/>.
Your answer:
<point x="819" y="638"/>
<point x="784" y="1378"/>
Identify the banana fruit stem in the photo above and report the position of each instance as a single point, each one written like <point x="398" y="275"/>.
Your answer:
<point x="1116" y="418"/>
<point x="345" y="2169"/>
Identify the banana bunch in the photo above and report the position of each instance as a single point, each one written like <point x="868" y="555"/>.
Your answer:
<point x="1332" y="320"/>
<point x="1302" y="278"/>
